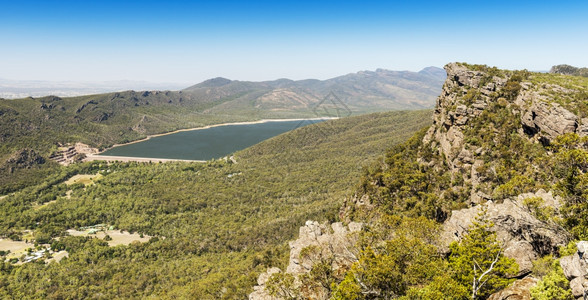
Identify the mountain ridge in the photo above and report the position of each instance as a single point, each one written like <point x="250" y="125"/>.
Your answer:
<point x="364" y="90"/>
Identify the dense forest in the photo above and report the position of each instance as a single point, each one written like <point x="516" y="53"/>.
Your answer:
<point x="214" y="225"/>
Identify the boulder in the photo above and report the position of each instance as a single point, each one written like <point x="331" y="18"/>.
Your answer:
<point x="550" y="119"/>
<point x="579" y="287"/>
<point x="518" y="290"/>
<point x="575" y="268"/>
<point x="583" y="128"/>
<point x="333" y="242"/>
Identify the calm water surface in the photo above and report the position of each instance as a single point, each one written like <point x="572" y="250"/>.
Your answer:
<point x="209" y="143"/>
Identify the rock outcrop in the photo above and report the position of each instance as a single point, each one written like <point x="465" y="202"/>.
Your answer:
<point x="334" y="242"/>
<point x="451" y="113"/>
<point x="488" y="123"/>
<point x="583" y="127"/>
<point x="548" y="119"/>
<point x="23" y="159"/>
<point x="468" y="92"/>
<point x="575" y="268"/>
<point x="525" y="237"/>
<point x="259" y="292"/>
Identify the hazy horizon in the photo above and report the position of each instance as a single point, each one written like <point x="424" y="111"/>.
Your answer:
<point x="187" y="43"/>
<point x="14" y="89"/>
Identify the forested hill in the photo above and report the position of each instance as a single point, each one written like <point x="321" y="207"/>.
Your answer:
<point x="488" y="203"/>
<point x="215" y="225"/>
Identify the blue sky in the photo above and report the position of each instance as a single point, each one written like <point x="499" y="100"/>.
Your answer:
<point x="187" y="42"/>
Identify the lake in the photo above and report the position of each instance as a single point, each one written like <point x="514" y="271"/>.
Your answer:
<point x="207" y="143"/>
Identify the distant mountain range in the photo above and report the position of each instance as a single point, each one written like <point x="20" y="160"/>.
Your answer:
<point x="362" y="91"/>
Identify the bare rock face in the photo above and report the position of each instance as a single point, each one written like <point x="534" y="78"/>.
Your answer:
<point x="525" y="237"/>
<point x="575" y="268"/>
<point x="462" y="75"/>
<point x="443" y="131"/>
<point x="519" y="290"/>
<point x="333" y="242"/>
<point x="453" y="115"/>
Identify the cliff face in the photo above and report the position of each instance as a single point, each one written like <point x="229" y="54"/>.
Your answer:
<point x="468" y="100"/>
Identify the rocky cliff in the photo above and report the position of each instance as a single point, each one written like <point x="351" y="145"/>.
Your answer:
<point x="493" y="153"/>
<point x="466" y="106"/>
<point x="535" y="110"/>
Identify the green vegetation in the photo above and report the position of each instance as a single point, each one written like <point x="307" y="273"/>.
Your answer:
<point x="407" y="258"/>
<point x="572" y="171"/>
<point x="403" y="186"/>
<point x="478" y="262"/>
<point x="208" y="227"/>
<point x="398" y="259"/>
<point x="415" y="181"/>
<point x="553" y="284"/>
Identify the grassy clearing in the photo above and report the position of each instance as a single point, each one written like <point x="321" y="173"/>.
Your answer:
<point x="118" y="237"/>
<point x="14" y="246"/>
<point x="85" y="179"/>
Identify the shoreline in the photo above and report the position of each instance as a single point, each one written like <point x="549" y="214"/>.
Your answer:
<point x="98" y="156"/>
<point x="112" y="158"/>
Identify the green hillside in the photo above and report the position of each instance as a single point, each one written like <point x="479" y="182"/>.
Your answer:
<point x="211" y="222"/>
